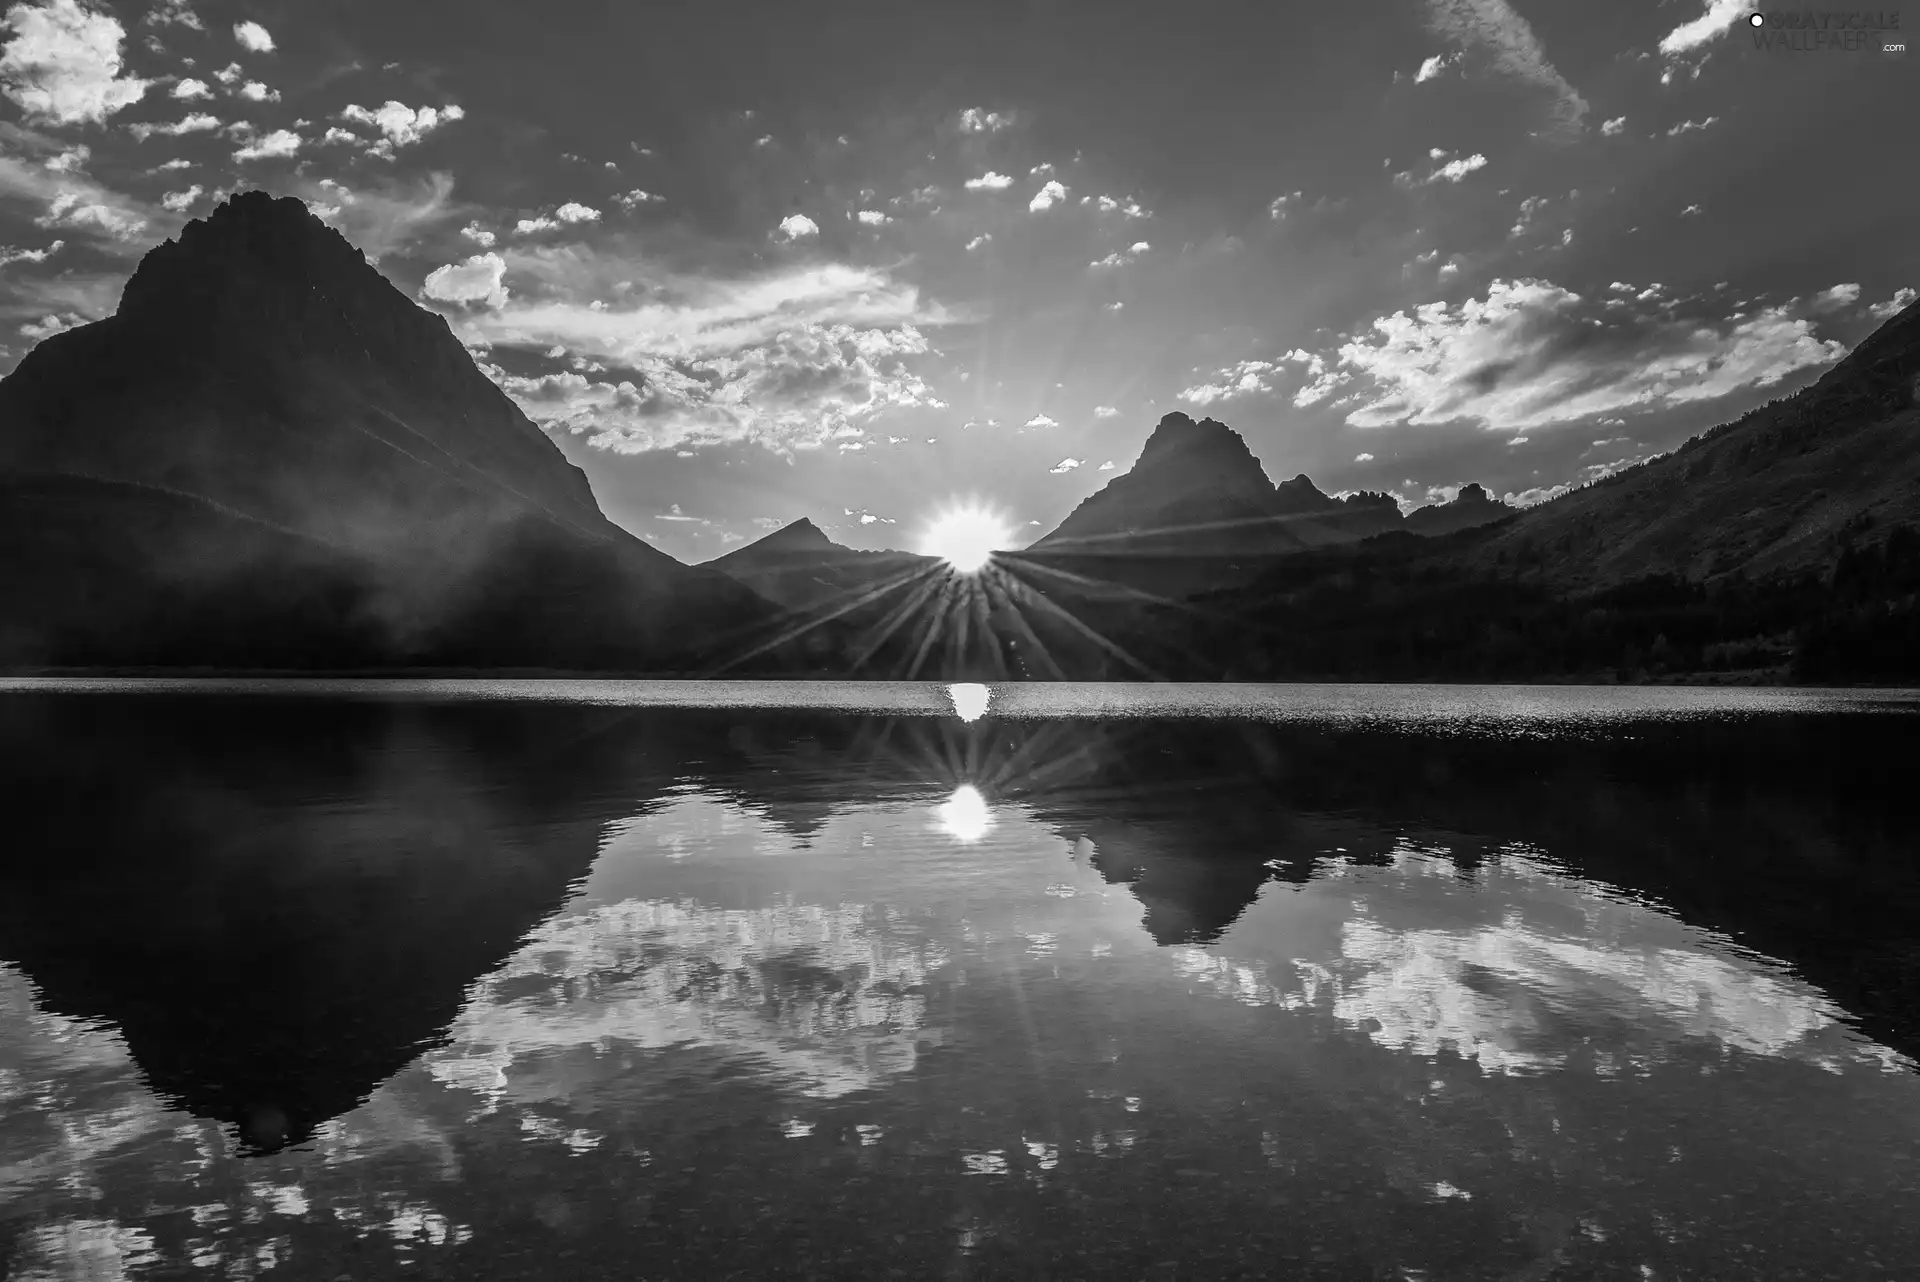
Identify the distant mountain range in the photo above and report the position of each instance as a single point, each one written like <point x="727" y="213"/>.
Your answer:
<point x="271" y="457"/>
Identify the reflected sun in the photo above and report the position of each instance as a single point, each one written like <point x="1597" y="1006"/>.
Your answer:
<point x="965" y="537"/>
<point x="965" y="816"/>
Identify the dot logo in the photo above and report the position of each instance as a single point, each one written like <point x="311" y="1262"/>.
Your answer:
<point x="1756" y="20"/>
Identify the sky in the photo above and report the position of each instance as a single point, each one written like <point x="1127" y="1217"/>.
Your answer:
<point x="860" y="262"/>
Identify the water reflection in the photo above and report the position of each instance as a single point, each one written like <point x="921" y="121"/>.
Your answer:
<point x="346" y="986"/>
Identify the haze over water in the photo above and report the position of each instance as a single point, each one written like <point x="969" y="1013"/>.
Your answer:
<point x="668" y="980"/>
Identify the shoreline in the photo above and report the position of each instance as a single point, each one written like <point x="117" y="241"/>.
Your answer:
<point x="1760" y="679"/>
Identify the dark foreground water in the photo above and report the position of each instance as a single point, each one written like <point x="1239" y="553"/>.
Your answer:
<point x="562" y="980"/>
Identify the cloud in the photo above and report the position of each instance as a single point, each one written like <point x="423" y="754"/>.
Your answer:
<point x="674" y="513"/>
<point x="1614" y="126"/>
<point x="1533" y="354"/>
<point x="70" y="161"/>
<point x="191" y="88"/>
<point x="253" y="37"/>
<point x="1066" y="465"/>
<point x="1121" y="257"/>
<point x="797" y="227"/>
<point x="1495" y="29"/>
<point x="478" y="235"/>
<point x="400" y="125"/>
<point x="179" y="202"/>
<point x="195" y="123"/>
<point x="1363" y="458"/>
<point x="635" y="198"/>
<point x="228" y="74"/>
<point x="1247" y="378"/>
<point x="1901" y="300"/>
<point x="795" y="359"/>
<point x="873" y="218"/>
<point x="390" y="215"/>
<point x="1432" y="67"/>
<point x="975" y="121"/>
<point x="169" y="12"/>
<point x="1040" y="420"/>
<point x="575" y="212"/>
<point x="1719" y="18"/>
<point x="49" y="325"/>
<point x="75" y="210"/>
<point x="532" y="226"/>
<point x="1047" y="197"/>
<point x="1835" y="298"/>
<point x="1689" y="126"/>
<point x="63" y="64"/>
<point x="480" y="279"/>
<point x="1690" y="211"/>
<point x="279" y="143"/>
<point x="989" y="181"/>
<point x="979" y="240"/>
<point x="1105" y="467"/>
<point x="1321" y="381"/>
<point x="1454" y="170"/>
<point x="1125" y="205"/>
<point x="1105" y="411"/>
<point x="9" y="255"/>
<point x="254" y="91"/>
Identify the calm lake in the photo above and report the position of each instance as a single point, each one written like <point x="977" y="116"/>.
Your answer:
<point x="647" y="980"/>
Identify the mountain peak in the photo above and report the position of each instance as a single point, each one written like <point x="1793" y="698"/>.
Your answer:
<point x="253" y="234"/>
<point x="796" y="535"/>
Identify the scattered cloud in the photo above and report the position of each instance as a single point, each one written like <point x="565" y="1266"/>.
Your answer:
<point x="49" y="325"/>
<point x="798" y="227"/>
<point x="975" y="121"/>
<point x="574" y="212"/>
<point x="634" y="199"/>
<point x="1493" y="28"/>
<point x="979" y="240"/>
<point x="398" y="124"/>
<point x="279" y="143"/>
<point x="1690" y="211"/>
<point x="228" y="74"/>
<point x="1835" y="298"/>
<point x="63" y="64"/>
<point x="1363" y="458"/>
<point x="253" y="37"/>
<point x="390" y="214"/>
<point x="1282" y="204"/>
<point x="1612" y="127"/>
<point x="254" y="91"/>
<point x="1105" y="411"/>
<point x="1126" y="206"/>
<point x="873" y="218"/>
<point x="1247" y="378"/>
<point x="1432" y="67"/>
<point x="535" y="225"/>
<point x="1901" y="300"/>
<point x="1690" y="126"/>
<point x="1040" y="420"/>
<point x="1049" y="195"/>
<point x="190" y="89"/>
<point x="1532" y="353"/>
<point x="169" y="12"/>
<point x="480" y="279"/>
<point x="1065" y="465"/>
<point x="179" y="202"/>
<point x="989" y="181"/>
<point x="1121" y="257"/>
<point x="478" y="235"/>
<point x="1105" y="467"/>
<point x="9" y="255"/>
<point x="196" y="123"/>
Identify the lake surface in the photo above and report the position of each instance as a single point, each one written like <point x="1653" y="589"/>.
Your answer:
<point x="522" y="979"/>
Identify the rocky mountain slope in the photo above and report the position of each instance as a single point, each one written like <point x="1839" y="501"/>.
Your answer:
<point x="799" y="567"/>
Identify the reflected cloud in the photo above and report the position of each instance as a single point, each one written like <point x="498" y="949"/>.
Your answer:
<point x="965" y="816"/>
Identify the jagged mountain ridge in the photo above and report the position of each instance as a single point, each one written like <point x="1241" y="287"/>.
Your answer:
<point x="264" y="390"/>
<point x="1197" y="490"/>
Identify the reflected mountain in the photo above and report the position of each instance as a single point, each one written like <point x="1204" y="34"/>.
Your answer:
<point x="280" y="902"/>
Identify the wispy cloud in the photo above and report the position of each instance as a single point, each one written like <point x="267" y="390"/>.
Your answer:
<point x="1532" y="353"/>
<point x="1495" y="29"/>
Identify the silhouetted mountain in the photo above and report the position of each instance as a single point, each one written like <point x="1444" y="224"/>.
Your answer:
<point x="265" y="406"/>
<point x="1471" y="507"/>
<point x="799" y="567"/>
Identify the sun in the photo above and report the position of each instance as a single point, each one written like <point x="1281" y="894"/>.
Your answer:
<point x="965" y="537"/>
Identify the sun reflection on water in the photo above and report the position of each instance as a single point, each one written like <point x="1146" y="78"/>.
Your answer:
<point x="965" y="815"/>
